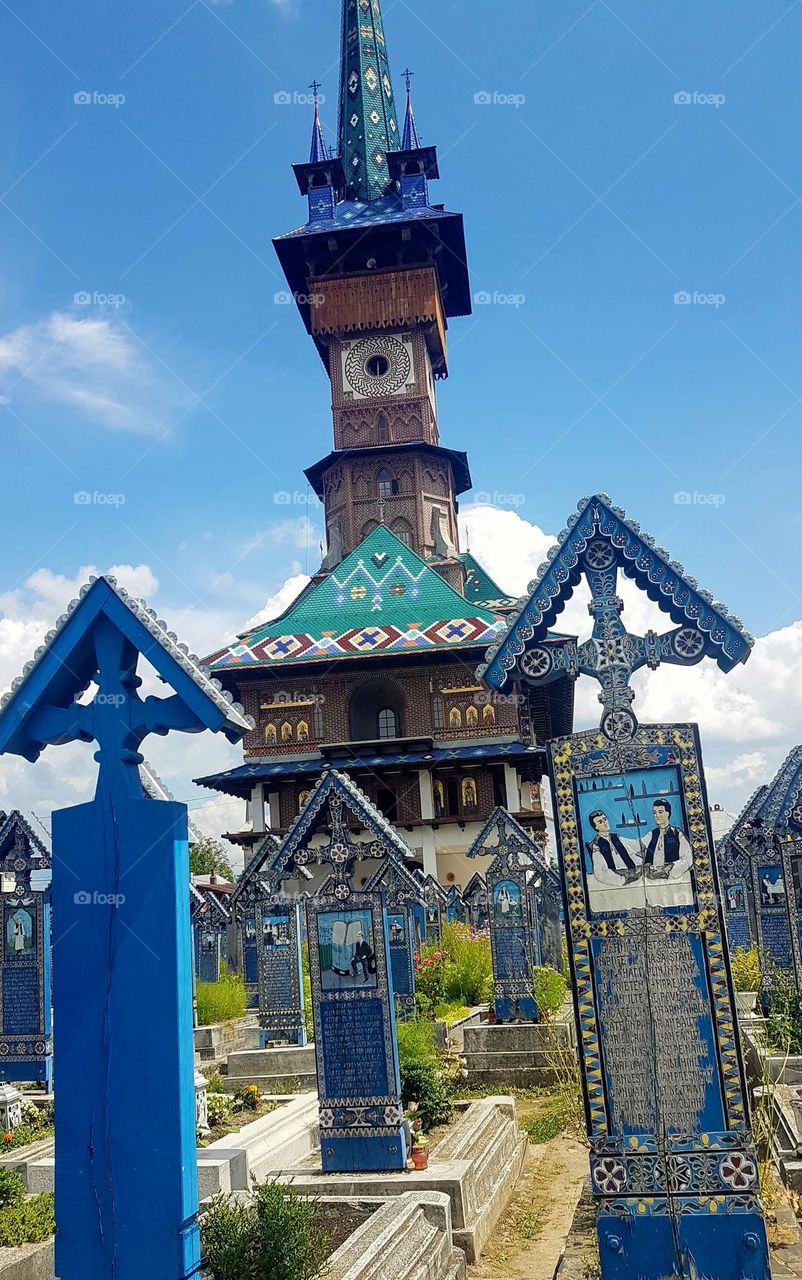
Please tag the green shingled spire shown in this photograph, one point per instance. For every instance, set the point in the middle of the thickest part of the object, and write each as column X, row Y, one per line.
column 368, row 121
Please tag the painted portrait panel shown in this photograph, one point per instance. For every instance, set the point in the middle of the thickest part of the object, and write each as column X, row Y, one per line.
column 735, row 896
column 276, row 931
column 347, row 951
column 396, row 927
column 771, row 884
column 634, row 836
column 507, row 902
column 20, row 933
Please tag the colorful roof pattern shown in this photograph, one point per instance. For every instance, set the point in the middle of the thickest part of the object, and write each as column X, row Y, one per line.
column 382, row 599
column 368, row 119
column 480, row 587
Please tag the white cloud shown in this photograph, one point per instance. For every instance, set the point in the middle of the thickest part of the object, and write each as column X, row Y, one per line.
column 749, row 719
column 91, row 364
column 276, row 604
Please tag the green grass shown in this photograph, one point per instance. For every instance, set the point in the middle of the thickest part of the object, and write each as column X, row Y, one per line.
column 221, row 1001
column 549, row 1122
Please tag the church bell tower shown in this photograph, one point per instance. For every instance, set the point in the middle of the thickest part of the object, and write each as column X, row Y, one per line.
column 377, row 272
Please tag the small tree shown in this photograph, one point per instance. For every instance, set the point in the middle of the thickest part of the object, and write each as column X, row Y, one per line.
column 207, row 856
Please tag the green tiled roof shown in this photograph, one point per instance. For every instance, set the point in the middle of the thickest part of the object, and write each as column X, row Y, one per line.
column 383, row 598
column 480, row 587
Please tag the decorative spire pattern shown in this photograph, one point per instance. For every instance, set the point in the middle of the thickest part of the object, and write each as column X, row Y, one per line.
column 368, row 121
column 318, row 149
column 411, row 140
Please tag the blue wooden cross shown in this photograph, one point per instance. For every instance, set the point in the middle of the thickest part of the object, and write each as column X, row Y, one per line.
column 126, row 1179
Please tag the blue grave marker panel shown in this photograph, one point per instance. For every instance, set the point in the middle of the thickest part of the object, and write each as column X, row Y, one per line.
column 772, row 909
column 250, row 960
column 281, row 992
column 673, row 1166
column 792, row 878
column 736, row 907
column 511, row 946
column 361, row 1117
column 209, row 955
column 401, row 934
column 25, row 1020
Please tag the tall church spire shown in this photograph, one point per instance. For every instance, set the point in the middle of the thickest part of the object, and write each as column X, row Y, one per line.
column 318, row 150
column 368, row 120
column 411, row 140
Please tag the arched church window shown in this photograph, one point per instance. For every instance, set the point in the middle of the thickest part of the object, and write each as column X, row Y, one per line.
column 388, row 723
column 302, row 732
column 270, row 734
column 368, row 528
column 383, row 429
column 455, row 718
column 317, row 720
column 438, row 713
column 469, row 796
column 286, row 732
column 471, row 716
column 403, row 531
column 385, row 484
column 439, row 799
column 489, row 714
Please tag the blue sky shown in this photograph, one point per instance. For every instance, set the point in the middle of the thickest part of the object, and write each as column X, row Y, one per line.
column 182, row 398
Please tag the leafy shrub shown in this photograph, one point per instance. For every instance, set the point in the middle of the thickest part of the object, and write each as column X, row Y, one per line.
column 426, row 1085
column 29, row 1221
column 309, row 1018
column 745, row 969
column 781, row 1003
column 416, row 1042
column 277, row 1236
column 456, row 970
column 12, row 1187
column 451, row 1013
column 215, row 1084
column 221, row 1001
column 219, row 1109
column 22, row 1136
column 550, row 988
column 248, row 1097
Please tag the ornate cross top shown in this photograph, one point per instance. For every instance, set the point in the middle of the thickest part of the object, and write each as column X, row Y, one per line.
column 99, row 640
column 315, row 86
column 407, row 74
column 598, row 542
column 25, row 852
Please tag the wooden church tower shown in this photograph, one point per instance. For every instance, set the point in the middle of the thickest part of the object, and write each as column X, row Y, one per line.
column 373, row 666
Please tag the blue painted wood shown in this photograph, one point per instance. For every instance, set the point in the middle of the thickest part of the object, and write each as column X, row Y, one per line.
column 673, row 1165
column 26, row 1043
column 126, row 1182
column 403, row 898
column 361, row 1116
column 281, row 986
column 126, row 1177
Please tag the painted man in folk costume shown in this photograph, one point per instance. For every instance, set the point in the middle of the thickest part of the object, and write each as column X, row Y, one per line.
column 616, row 862
column 668, row 852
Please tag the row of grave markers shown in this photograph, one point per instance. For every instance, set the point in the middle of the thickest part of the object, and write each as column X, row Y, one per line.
column 672, row 1162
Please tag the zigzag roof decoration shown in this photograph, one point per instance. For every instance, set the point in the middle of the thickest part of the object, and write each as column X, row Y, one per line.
column 65, row 665
column 481, row 846
column 35, row 832
column 781, row 807
column 480, row 588
column 383, row 598
column 263, row 855
column 599, row 541
column 386, row 840
column 401, row 885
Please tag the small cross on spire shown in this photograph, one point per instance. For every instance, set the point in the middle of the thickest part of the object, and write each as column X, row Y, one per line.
column 315, row 86
column 407, row 74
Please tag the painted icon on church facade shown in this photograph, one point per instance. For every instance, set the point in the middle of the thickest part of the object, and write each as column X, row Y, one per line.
column 772, row 886
column 347, row 951
column 634, row 837
column 20, row 933
column 507, row 902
